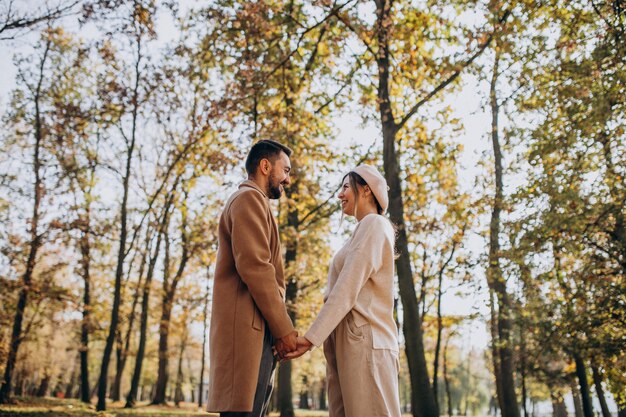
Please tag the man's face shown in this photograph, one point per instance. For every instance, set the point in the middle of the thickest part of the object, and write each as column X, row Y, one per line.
column 279, row 176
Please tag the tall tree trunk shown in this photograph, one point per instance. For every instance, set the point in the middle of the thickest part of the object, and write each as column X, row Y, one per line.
column 42, row 391
column 558, row 405
column 169, row 294
column 581, row 373
column 523, row 370
column 160, row 388
column 446, row 378
column 178, row 392
column 304, row 395
column 438, row 342
column 578, row 405
column 114, row 393
column 422, row 398
column 145, row 306
column 85, row 326
column 205, row 316
column 442, row 270
column 495, row 279
column 121, row 253
column 322, row 395
column 69, row 388
column 597, row 382
column 124, row 345
column 285, row 391
column 495, row 357
column 163, row 371
column 34, row 244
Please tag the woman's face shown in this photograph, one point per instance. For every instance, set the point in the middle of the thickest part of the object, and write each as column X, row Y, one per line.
column 347, row 198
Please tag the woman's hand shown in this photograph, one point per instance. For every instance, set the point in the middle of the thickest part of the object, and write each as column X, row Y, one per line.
column 302, row 346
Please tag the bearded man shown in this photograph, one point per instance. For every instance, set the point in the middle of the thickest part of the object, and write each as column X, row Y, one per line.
column 249, row 315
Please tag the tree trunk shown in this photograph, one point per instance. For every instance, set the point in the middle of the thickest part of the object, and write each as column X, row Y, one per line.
column 523, row 369
column 304, row 399
column 178, row 392
column 42, row 391
column 285, row 391
column 69, row 387
column 581, row 373
column 205, row 316
column 121, row 253
column 558, row 405
column 119, row 365
column 494, row 348
column 169, row 294
column 597, row 382
column 422, row 399
column 34, row 244
column 322, row 395
column 285, row 403
column 446, row 379
column 85, row 326
column 438, row 342
column 578, row 405
column 160, row 392
column 145, row 306
column 504, row 379
column 124, row 346
column 163, row 374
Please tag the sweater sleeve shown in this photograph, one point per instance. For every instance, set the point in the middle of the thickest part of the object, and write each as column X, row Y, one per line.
column 250, row 240
column 363, row 259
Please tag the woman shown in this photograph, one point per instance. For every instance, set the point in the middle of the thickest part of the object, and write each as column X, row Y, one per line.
column 356, row 323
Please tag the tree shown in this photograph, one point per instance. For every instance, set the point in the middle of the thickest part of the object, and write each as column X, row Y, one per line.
column 39, row 136
column 16, row 22
column 140, row 29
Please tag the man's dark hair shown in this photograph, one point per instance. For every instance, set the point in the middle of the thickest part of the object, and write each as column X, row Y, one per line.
column 264, row 149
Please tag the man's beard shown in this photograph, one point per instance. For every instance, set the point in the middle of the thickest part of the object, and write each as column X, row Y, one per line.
column 274, row 189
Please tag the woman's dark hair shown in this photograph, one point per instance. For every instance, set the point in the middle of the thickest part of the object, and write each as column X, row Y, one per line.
column 264, row 149
column 355, row 179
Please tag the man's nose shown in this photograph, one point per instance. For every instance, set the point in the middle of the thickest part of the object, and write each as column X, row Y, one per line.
column 288, row 180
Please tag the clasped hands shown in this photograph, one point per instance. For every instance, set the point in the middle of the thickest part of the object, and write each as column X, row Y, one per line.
column 291, row 346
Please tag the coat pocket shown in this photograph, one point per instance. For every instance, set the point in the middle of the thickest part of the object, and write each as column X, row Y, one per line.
column 354, row 332
column 257, row 320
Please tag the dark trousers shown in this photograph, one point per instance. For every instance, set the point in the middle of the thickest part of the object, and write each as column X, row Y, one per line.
column 265, row 382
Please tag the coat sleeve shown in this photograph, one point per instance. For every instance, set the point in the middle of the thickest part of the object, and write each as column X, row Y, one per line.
column 364, row 258
column 250, row 241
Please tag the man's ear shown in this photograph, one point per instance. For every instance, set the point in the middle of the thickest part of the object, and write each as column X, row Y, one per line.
column 265, row 166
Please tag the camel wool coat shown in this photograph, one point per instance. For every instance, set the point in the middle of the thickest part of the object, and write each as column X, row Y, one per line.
column 248, row 294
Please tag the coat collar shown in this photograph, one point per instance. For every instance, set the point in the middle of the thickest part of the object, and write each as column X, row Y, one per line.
column 252, row 184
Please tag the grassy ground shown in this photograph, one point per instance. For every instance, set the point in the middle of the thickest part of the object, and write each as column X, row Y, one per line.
column 54, row 407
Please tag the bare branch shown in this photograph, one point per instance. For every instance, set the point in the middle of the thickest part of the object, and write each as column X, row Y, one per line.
column 452, row 76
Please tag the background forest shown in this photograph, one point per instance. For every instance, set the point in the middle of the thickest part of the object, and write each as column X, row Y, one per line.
column 499, row 125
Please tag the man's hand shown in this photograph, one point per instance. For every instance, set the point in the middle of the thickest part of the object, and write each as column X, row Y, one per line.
column 304, row 345
column 286, row 344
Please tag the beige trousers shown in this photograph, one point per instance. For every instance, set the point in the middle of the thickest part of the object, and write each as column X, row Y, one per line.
column 362, row 381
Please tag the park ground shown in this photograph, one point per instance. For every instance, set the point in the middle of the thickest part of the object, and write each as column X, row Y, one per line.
column 55, row 407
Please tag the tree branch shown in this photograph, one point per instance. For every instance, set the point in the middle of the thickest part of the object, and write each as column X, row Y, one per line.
column 452, row 76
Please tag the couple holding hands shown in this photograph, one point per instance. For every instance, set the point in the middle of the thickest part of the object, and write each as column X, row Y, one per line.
column 250, row 327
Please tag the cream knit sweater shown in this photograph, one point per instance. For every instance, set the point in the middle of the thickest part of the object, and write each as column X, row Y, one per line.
column 360, row 279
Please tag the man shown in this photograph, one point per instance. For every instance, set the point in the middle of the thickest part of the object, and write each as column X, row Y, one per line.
column 249, row 313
